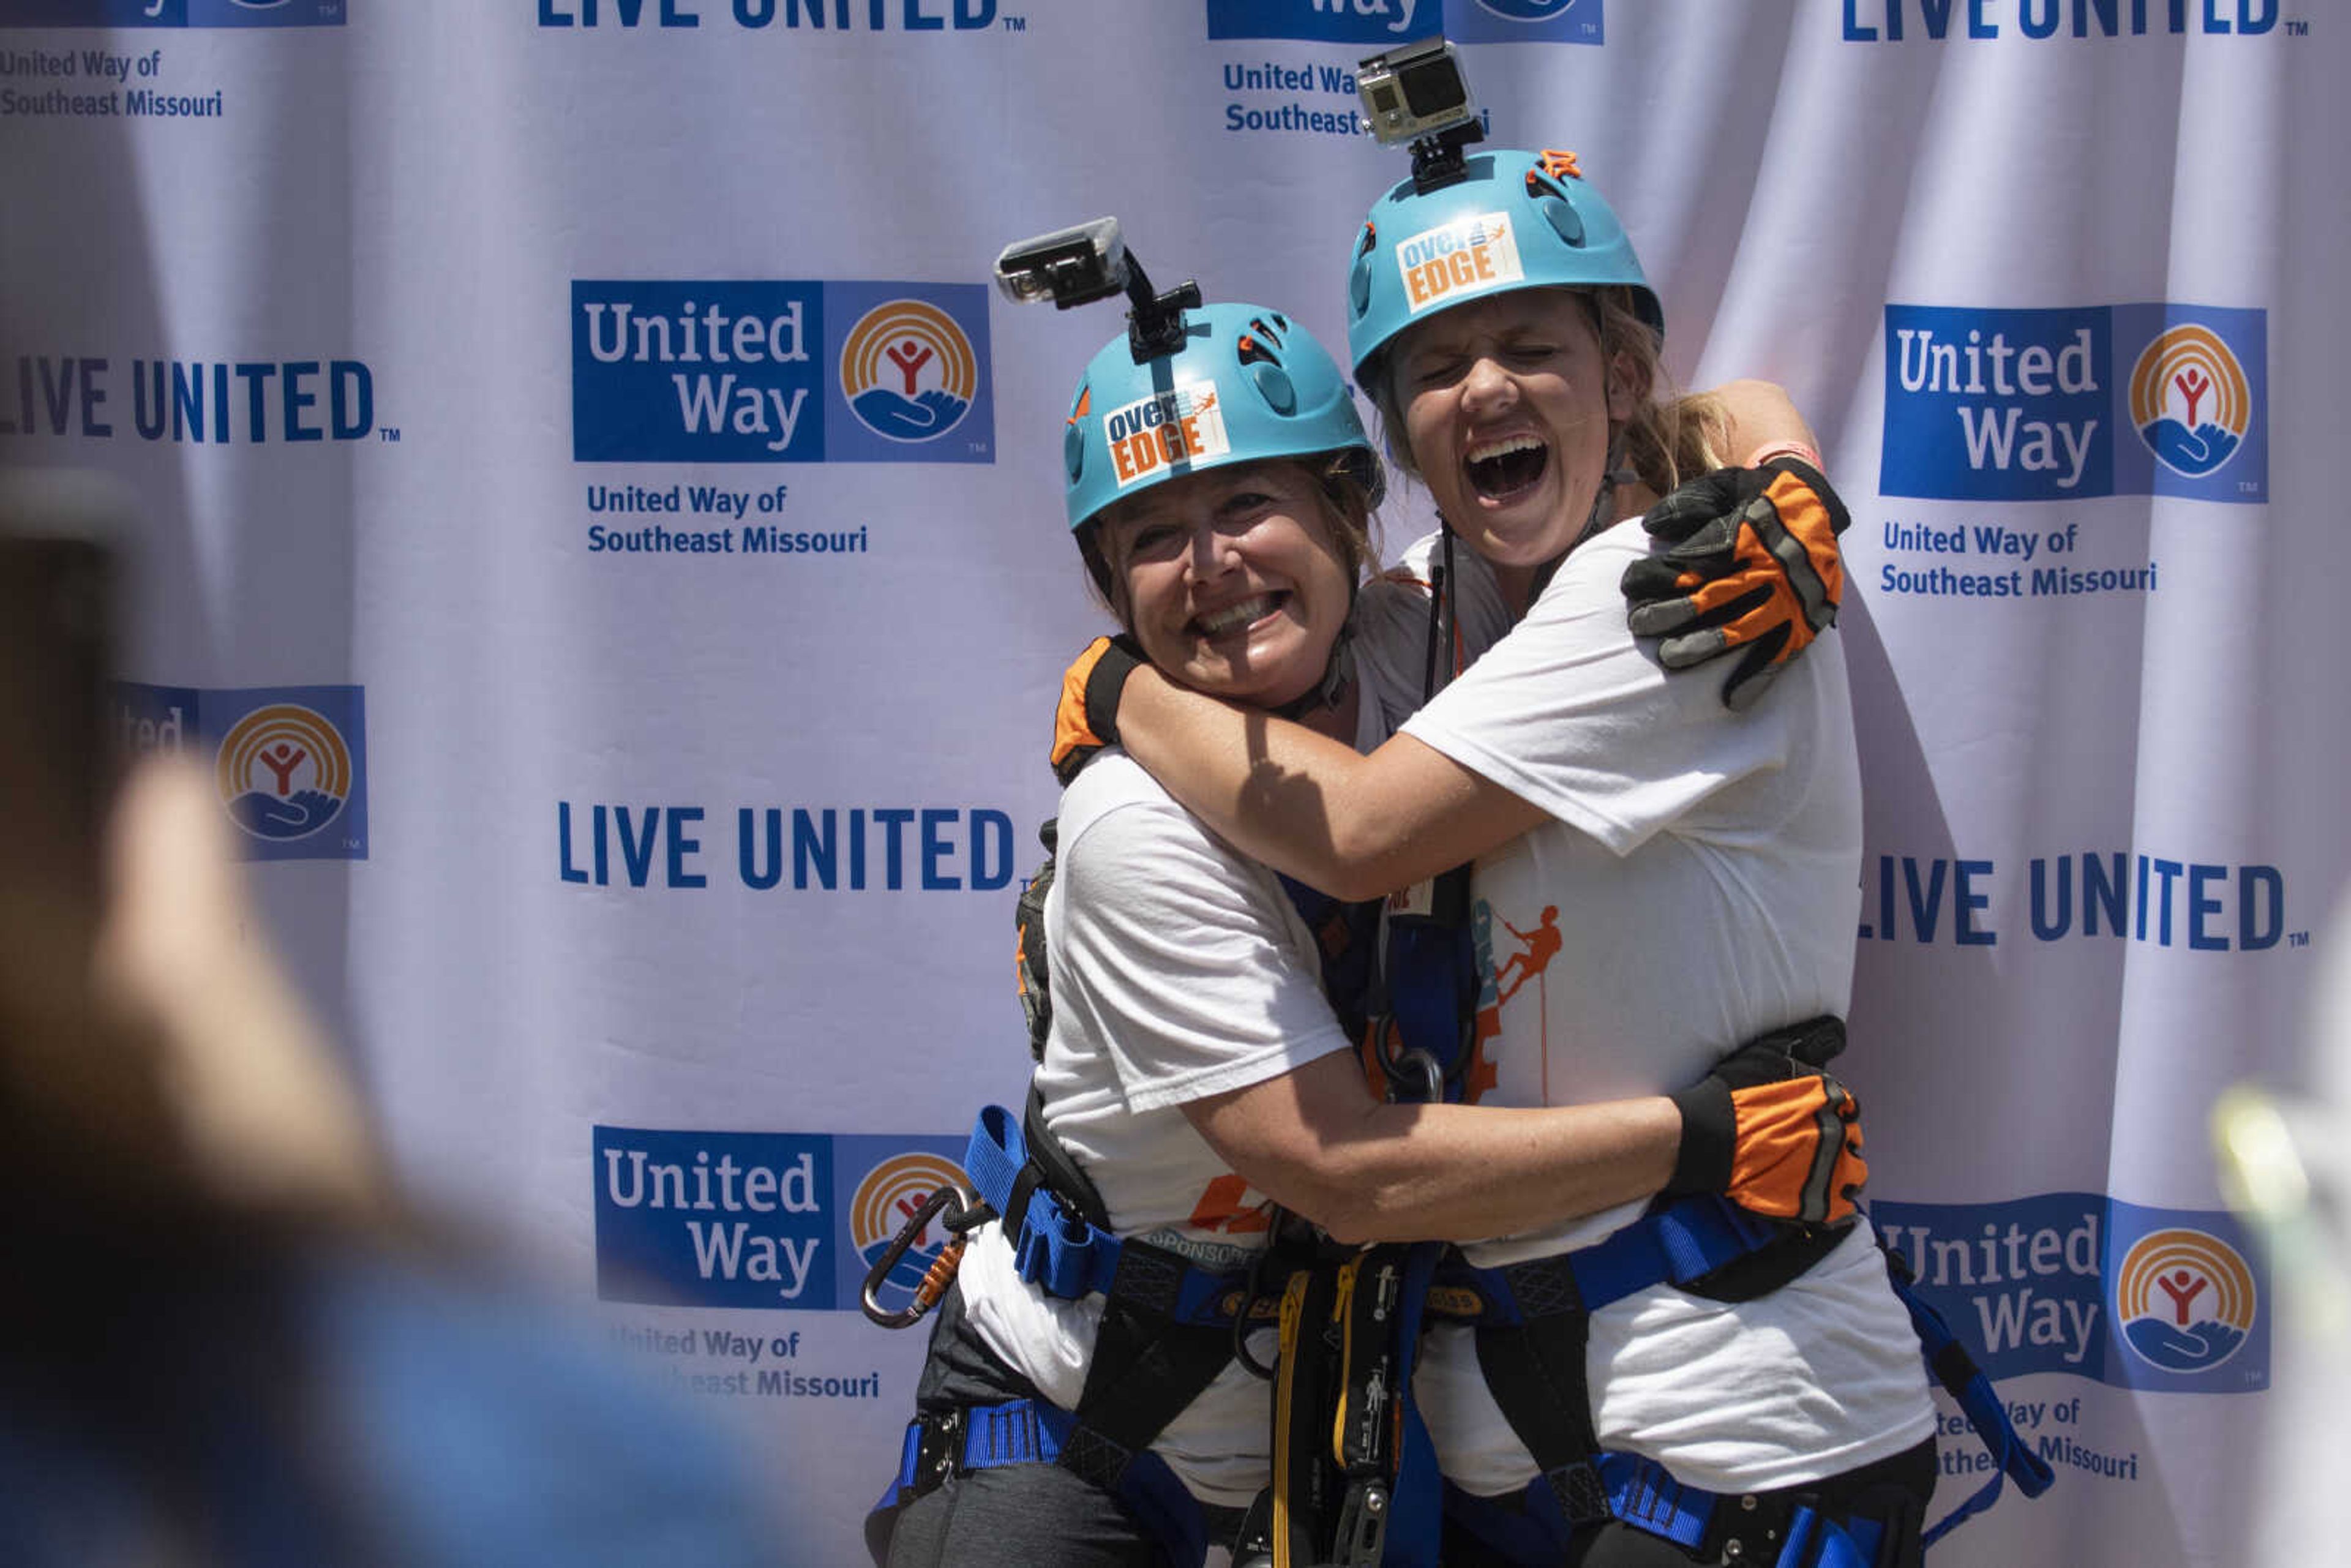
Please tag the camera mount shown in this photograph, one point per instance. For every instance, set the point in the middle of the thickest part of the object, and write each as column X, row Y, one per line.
column 1089, row 262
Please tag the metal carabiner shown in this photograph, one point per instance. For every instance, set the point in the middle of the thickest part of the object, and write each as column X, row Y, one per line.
column 942, row 1269
column 1416, row 1061
column 1432, row 1076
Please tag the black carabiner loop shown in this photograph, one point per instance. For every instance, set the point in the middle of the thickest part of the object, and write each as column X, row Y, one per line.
column 1400, row 1067
column 1251, row 1294
column 942, row 1269
column 1432, row 1076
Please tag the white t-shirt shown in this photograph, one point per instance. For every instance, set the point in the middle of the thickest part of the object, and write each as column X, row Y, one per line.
column 1698, row 885
column 1179, row 970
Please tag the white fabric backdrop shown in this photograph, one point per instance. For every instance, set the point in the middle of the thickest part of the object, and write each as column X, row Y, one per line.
column 384, row 246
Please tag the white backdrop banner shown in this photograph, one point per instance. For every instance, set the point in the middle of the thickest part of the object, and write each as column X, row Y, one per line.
column 605, row 535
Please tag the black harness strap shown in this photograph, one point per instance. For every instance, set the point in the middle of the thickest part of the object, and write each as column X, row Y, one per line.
column 1147, row 1368
column 1145, row 1371
column 1536, row 1374
column 1063, row 1176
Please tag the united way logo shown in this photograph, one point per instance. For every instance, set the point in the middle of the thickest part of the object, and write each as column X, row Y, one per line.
column 908, row 372
column 2184, row 1299
column 889, row 1196
column 779, row 370
column 2189, row 399
column 290, row 762
column 171, row 13
column 1381, row 23
column 2091, row 1286
column 1511, row 22
column 2060, row 404
column 285, row 772
column 1520, row 21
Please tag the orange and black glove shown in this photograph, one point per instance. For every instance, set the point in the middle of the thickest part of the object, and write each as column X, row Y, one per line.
column 1087, row 718
column 1772, row 1131
column 1750, row 567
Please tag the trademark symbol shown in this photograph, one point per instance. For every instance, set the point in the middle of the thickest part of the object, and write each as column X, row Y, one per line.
column 390, row 433
column 1020, row 24
column 2249, row 487
column 2297, row 938
column 979, row 447
column 2298, row 29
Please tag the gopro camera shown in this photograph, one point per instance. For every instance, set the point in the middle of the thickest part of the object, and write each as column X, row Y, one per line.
column 1414, row 92
column 1077, row 265
column 1069, row 266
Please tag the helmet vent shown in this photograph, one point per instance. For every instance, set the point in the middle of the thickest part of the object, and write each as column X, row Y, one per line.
column 1273, row 385
column 1563, row 219
column 1252, row 350
column 1073, row 450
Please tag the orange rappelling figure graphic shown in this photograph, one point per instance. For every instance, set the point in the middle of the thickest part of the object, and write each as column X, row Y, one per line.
column 1542, row 945
column 1538, row 948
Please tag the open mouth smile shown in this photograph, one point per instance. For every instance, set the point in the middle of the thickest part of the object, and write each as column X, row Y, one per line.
column 1240, row 614
column 1502, row 470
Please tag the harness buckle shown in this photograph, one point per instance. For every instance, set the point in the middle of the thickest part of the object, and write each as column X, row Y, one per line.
column 936, row 1279
column 939, row 1455
column 1362, row 1527
column 1758, row 1531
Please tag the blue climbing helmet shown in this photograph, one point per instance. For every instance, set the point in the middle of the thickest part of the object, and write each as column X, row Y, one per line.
column 1247, row 384
column 1508, row 220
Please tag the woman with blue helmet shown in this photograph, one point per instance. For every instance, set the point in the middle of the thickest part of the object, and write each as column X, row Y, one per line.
column 1691, row 863
column 1219, row 486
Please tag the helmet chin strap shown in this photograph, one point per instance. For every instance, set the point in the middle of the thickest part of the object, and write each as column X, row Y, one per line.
column 1338, row 674
column 1595, row 521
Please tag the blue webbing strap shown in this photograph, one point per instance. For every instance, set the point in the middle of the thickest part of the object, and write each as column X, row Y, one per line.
column 1680, row 1243
column 1956, row 1371
column 1066, row 1256
column 1686, row 1240
column 1416, row 1516
column 1815, row 1541
column 1055, row 1250
column 1032, row 1432
column 1641, row 1494
column 1427, row 969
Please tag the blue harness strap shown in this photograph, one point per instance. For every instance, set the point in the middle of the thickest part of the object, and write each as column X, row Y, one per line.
column 1066, row 1255
column 1533, row 1527
column 1677, row 1245
column 1686, row 1240
column 1964, row 1381
column 1032, row 1432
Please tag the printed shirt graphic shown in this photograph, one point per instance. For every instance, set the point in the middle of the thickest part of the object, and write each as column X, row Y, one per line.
column 1698, row 887
column 1179, row 970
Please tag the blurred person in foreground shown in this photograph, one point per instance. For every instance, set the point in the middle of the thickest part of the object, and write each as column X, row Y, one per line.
column 2283, row 1143
column 224, row 1340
